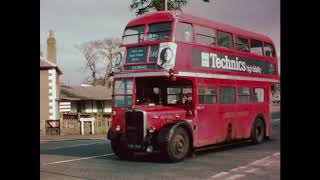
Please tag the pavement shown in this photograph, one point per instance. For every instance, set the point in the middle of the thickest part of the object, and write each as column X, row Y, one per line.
column 71, row 137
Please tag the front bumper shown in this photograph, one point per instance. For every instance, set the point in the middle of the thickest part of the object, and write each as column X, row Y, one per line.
column 149, row 140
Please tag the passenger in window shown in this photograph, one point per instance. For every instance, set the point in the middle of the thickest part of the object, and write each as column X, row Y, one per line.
column 187, row 36
column 268, row 53
column 187, row 101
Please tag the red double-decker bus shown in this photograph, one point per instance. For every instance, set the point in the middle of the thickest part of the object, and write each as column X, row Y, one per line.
column 183, row 83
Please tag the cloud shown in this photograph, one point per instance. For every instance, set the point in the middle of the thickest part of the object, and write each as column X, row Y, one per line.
column 77, row 21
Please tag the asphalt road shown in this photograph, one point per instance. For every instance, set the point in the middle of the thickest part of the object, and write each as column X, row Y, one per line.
column 93, row 159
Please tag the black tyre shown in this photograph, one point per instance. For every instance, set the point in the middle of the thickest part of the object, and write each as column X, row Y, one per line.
column 176, row 147
column 258, row 131
column 120, row 150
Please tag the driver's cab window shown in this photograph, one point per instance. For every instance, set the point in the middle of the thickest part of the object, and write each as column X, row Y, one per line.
column 179, row 95
column 149, row 96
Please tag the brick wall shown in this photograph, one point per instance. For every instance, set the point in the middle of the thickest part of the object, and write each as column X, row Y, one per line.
column 70, row 124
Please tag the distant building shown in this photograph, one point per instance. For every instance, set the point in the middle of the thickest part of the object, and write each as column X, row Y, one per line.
column 86, row 99
column 49, row 87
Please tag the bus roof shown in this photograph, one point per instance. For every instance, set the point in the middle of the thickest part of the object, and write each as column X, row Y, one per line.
column 159, row 16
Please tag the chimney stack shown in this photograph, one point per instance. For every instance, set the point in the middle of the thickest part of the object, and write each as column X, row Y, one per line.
column 51, row 45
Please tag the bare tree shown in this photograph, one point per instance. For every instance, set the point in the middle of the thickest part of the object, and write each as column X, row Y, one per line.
column 91, row 55
column 99, row 56
column 108, row 48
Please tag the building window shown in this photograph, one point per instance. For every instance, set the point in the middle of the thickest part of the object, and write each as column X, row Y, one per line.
column 227, row 95
column 225, row 39
column 243, row 95
column 258, row 95
column 256, row 47
column 183, row 32
column 204, row 35
column 242, row 44
column 100, row 106
column 207, row 95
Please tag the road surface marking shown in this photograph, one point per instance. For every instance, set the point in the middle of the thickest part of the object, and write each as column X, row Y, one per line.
column 236, row 176
column 251, row 170
column 71, row 160
column 219, row 174
column 266, row 161
column 275, row 120
column 76, row 145
column 55, row 140
column 238, row 168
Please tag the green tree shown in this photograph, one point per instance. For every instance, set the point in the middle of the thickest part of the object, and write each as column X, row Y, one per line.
column 143, row 6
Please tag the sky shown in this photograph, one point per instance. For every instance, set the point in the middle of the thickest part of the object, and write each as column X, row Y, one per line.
column 78, row 21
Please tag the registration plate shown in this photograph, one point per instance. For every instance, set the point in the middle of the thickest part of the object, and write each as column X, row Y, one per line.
column 134, row 146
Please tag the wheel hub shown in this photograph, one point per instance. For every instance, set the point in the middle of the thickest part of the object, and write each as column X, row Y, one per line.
column 179, row 144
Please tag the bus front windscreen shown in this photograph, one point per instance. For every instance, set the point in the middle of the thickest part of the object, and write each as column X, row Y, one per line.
column 159, row 31
column 122, row 93
column 133, row 35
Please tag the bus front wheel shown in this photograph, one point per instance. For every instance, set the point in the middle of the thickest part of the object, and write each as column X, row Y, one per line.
column 176, row 147
column 258, row 131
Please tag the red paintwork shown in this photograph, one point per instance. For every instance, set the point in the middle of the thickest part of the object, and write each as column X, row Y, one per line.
column 210, row 123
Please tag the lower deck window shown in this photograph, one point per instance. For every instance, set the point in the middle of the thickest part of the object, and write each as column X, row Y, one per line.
column 243, row 95
column 258, row 95
column 207, row 95
column 227, row 95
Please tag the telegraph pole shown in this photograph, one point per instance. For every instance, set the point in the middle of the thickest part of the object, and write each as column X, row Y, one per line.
column 165, row 5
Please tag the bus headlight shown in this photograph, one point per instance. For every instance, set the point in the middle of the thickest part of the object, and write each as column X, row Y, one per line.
column 152, row 129
column 118, row 128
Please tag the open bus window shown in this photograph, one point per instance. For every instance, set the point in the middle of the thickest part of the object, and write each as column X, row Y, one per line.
column 162, row 91
column 256, row 47
column 149, row 96
column 225, row 39
column 122, row 93
column 242, row 44
column 159, row 31
column 258, row 95
column 133, row 35
column 268, row 50
column 178, row 95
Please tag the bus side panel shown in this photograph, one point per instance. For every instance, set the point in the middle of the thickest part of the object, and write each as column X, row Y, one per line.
column 260, row 108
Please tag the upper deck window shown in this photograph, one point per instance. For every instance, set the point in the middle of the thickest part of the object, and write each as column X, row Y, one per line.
column 133, row 35
column 204, row 35
column 225, row 39
column 256, row 47
column 269, row 50
column 159, row 31
column 242, row 44
column 183, row 32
